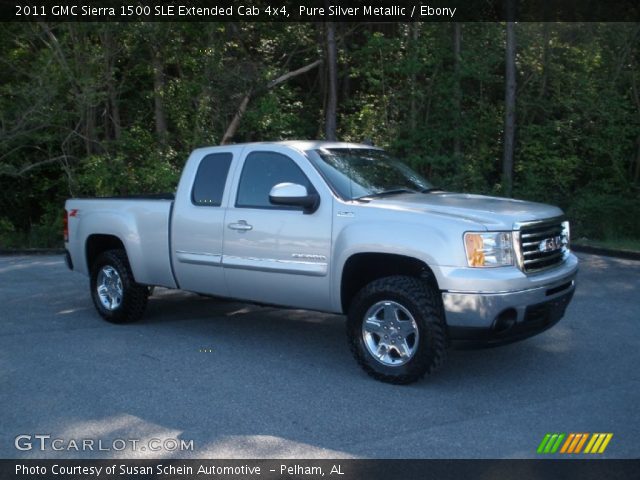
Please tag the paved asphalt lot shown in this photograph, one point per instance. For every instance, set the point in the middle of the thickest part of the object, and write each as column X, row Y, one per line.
column 282, row 384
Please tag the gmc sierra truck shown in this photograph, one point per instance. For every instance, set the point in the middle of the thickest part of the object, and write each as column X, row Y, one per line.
column 333, row 227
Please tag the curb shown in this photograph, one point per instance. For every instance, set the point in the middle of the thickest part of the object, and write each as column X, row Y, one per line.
column 31, row 251
column 607, row 252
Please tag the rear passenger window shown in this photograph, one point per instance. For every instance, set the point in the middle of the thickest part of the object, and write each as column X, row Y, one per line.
column 263, row 170
column 208, row 186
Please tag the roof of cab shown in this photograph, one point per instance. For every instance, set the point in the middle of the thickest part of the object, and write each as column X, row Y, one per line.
column 300, row 145
column 317, row 144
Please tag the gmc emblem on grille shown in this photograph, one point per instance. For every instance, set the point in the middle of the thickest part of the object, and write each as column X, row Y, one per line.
column 550, row 244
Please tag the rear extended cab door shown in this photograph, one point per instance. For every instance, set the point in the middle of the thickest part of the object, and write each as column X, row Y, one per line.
column 197, row 223
column 277, row 254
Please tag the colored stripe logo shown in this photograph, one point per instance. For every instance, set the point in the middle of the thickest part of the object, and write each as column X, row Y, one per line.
column 574, row 443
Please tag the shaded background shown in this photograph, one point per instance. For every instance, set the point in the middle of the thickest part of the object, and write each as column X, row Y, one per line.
column 92, row 109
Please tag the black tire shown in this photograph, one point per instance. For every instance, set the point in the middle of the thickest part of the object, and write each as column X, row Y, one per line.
column 423, row 303
column 134, row 296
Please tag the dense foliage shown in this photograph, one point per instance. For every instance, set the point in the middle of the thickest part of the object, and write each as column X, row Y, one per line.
column 101, row 109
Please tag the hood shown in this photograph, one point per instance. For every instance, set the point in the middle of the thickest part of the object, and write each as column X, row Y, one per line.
column 494, row 213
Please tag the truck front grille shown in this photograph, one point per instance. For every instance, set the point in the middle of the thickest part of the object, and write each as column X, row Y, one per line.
column 543, row 244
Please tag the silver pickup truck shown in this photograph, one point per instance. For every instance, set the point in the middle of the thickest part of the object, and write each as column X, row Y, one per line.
column 334, row 227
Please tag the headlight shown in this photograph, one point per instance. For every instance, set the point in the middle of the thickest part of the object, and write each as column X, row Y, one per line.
column 489, row 249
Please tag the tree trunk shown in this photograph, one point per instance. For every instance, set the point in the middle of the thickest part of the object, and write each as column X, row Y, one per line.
column 413, row 49
column 457, row 90
column 510, row 107
column 332, row 91
column 89, row 125
column 158, row 101
column 414, row 33
column 114, row 111
column 233, row 126
column 545, row 61
column 113, row 108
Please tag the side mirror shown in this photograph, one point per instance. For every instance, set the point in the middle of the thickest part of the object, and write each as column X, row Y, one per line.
column 294, row 195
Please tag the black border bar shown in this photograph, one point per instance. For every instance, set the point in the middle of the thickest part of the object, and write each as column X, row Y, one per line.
column 571, row 468
column 322, row 10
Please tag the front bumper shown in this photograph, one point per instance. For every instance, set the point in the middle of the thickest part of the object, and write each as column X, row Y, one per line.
column 496, row 318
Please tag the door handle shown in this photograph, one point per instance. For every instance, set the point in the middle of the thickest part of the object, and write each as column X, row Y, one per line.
column 242, row 226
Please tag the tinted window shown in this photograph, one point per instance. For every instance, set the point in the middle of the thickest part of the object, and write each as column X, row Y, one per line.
column 208, row 186
column 263, row 170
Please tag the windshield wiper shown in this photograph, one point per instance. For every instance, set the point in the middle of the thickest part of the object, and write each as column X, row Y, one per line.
column 384, row 193
column 431, row 190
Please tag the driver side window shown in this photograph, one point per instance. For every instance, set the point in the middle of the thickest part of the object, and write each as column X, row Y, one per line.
column 263, row 170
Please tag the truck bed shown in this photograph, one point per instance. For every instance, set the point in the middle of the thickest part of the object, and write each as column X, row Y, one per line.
column 141, row 222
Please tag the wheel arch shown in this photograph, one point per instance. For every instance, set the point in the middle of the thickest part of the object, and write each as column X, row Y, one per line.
column 98, row 243
column 363, row 268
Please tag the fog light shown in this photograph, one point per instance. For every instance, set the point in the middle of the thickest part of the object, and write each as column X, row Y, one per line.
column 505, row 320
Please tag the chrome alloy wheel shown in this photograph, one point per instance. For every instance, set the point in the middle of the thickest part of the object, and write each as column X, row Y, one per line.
column 109, row 288
column 390, row 333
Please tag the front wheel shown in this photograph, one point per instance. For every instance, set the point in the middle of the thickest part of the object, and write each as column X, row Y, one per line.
column 396, row 329
column 116, row 295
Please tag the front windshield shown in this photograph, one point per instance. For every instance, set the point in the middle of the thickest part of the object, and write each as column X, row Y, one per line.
column 361, row 172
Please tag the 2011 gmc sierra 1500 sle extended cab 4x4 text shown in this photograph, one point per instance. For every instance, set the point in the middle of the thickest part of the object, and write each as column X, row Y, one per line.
column 335, row 227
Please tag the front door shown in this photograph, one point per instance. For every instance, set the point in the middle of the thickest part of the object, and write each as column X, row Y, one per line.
column 277, row 254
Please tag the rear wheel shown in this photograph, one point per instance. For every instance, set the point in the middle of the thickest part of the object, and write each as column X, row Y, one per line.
column 116, row 295
column 396, row 329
